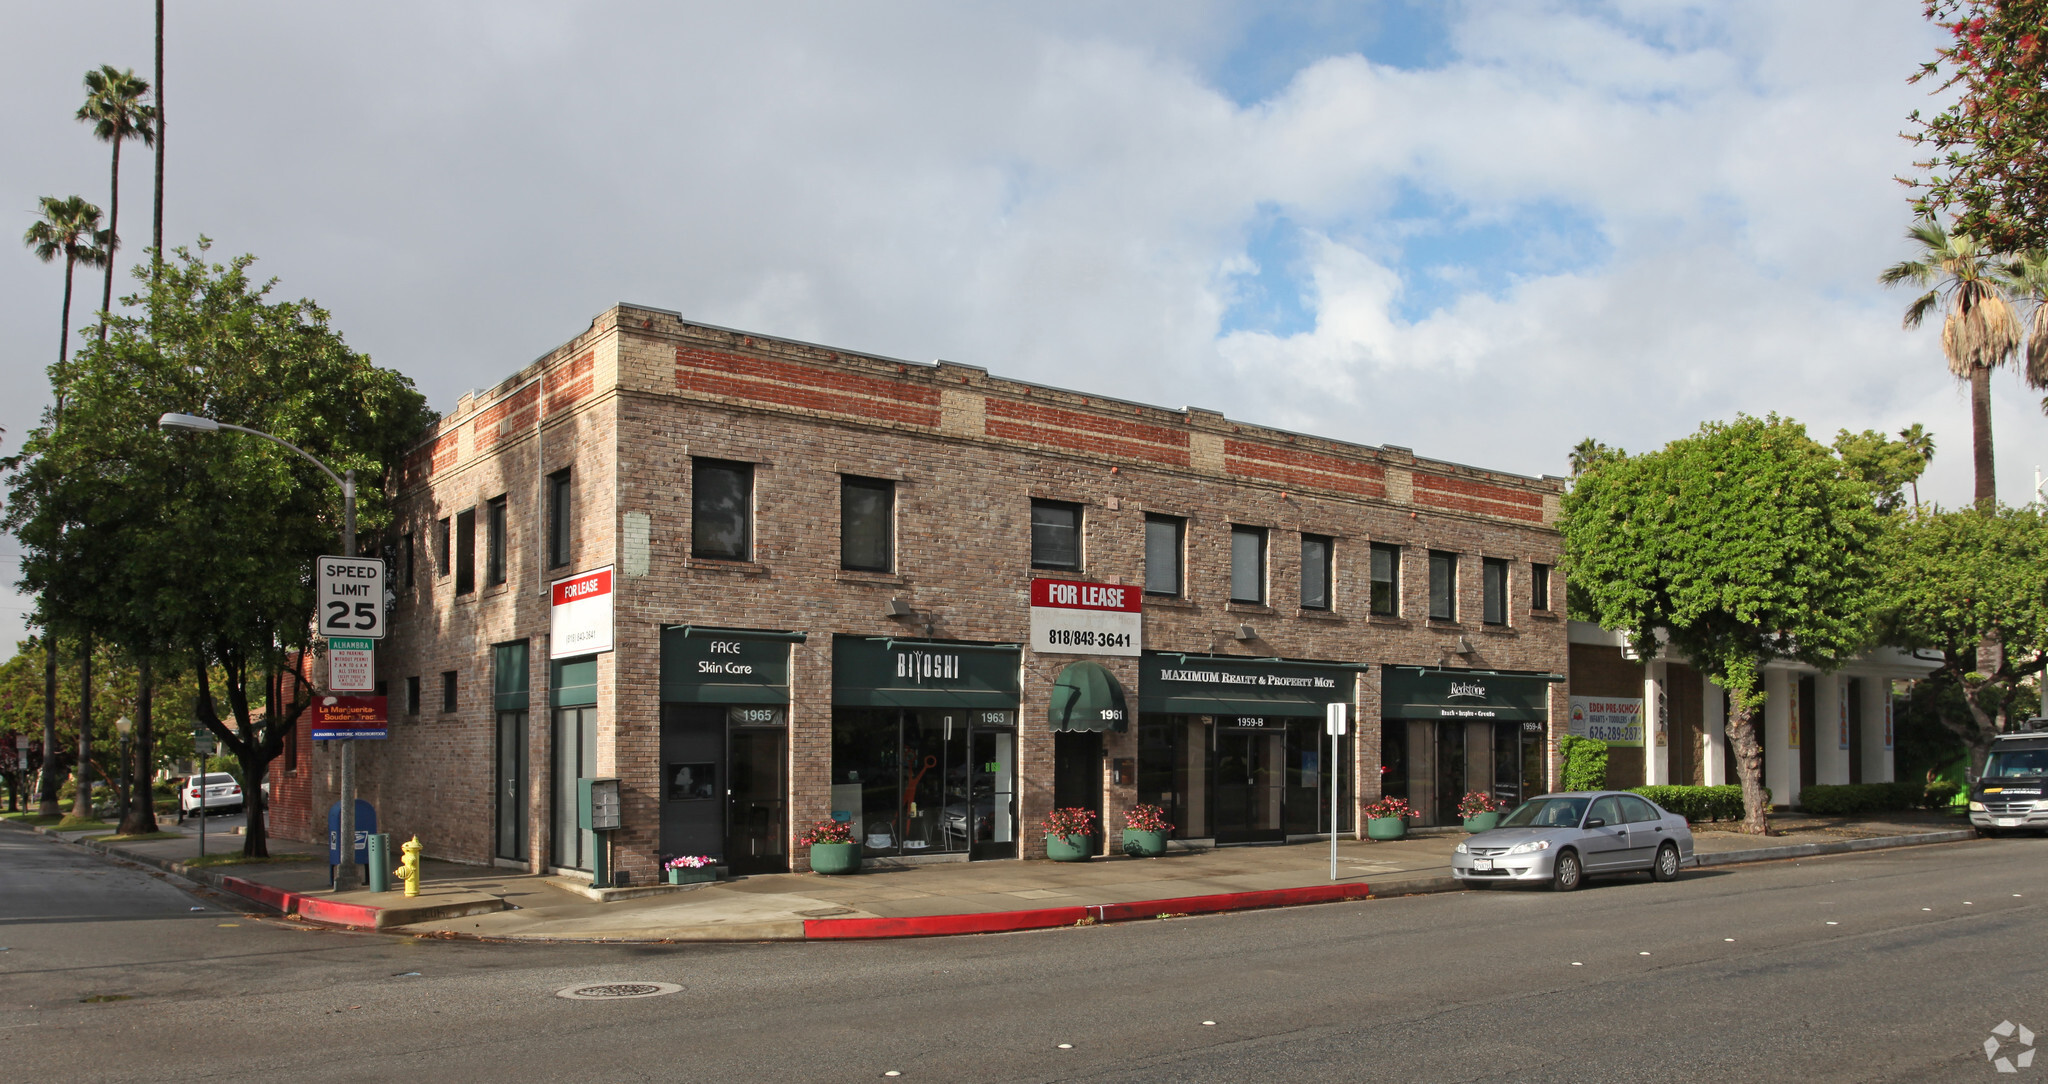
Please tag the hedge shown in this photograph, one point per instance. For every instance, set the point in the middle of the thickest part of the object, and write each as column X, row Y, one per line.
column 1585, row 763
column 1851, row 799
column 1698, row 803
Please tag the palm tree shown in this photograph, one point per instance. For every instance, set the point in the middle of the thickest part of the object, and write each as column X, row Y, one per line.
column 116, row 111
column 70, row 226
column 1920, row 442
column 1979, row 332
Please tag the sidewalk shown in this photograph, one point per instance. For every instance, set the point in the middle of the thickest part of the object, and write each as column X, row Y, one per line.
column 958, row 897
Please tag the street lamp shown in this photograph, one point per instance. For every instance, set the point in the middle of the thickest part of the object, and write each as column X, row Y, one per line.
column 346, row 876
column 125, row 727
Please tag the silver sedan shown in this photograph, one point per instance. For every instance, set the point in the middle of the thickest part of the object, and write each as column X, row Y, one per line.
column 1565, row 838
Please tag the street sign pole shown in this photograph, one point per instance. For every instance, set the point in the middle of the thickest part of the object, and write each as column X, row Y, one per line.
column 1334, row 722
column 346, row 877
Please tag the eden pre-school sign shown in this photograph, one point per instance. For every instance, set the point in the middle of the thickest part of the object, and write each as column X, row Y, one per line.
column 1073, row 618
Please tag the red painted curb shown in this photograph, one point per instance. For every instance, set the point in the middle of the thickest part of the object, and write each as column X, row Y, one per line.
column 338, row 914
column 1229, row 901
column 833, row 929
column 261, row 893
column 839, row 929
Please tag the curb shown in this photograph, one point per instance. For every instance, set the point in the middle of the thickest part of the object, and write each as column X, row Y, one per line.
column 1845, row 846
column 847, row 929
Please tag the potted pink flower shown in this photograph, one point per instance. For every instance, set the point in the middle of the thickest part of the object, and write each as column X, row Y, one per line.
column 690, row 869
column 1145, row 829
column 1069, row 834
column 1388, row 818
column 832, row 847
column 1480, row 810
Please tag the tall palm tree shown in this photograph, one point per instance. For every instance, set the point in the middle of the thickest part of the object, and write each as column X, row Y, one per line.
column 1979, row 331
column 117, row 113
column 69, row 226
column 1920, row 442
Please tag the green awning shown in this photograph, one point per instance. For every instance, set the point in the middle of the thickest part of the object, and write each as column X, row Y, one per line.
column 1087, row 697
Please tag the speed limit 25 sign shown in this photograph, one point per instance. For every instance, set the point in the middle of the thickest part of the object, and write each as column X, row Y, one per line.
column 351, row 597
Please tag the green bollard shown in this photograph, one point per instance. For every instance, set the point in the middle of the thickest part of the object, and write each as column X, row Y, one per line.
column 380, row 861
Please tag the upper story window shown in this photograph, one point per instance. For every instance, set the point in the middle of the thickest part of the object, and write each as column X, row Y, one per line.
column 1165, row 538
column 558, row 519
column 465, row 551
column 1315, row 572
column 1055, row 535
column 722, row 510
column 1247, row 564
column 405, row 554
column 442, row 535
column 1493, row 591
column 867, row 514
column 1386, row 579
column 1443, row 586
column 495, row 541
column 1539, row 587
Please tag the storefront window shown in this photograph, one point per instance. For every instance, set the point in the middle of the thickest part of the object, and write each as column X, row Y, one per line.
column 925, row 781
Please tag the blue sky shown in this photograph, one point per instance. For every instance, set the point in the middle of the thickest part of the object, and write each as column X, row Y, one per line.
column 1481, row 231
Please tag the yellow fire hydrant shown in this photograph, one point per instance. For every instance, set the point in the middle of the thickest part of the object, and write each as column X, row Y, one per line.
column 409, row 865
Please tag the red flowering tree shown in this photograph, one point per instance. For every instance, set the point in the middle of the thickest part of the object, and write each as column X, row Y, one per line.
column 1987, row 164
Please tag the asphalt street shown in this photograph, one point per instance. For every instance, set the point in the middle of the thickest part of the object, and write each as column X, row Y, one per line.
column 1889, row 966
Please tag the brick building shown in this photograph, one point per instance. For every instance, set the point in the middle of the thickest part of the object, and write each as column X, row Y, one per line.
column 763, row 583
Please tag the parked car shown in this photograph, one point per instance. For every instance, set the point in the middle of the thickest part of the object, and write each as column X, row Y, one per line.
column 222, row 795
column 2009, row 796
column 1564, row 838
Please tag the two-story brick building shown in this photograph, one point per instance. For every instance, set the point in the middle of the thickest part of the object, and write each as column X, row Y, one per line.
column 764, row 583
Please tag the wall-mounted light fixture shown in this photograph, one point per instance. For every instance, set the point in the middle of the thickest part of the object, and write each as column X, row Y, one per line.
column 900, row 607
column 1464, row 647
column 1246, row 632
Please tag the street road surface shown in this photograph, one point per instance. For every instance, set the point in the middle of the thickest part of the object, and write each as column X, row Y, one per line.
column 1893, row 966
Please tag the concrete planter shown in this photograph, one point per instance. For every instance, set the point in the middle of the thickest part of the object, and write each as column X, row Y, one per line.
column 690, row 876
column 1483, row 822
column 1385, row 827
column 1074, row 848
column 835, row 858
column 1142, row 844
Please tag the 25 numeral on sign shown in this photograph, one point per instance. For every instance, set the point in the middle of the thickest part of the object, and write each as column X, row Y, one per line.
column 341, row 619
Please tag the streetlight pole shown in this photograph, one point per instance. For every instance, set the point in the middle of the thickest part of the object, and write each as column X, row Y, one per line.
column 125, row 728
column 346, row 876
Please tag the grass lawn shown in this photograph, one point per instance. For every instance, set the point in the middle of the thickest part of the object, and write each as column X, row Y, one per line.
column 236, row 859
column 139, row 835
column 30, row 818
column 83, row 824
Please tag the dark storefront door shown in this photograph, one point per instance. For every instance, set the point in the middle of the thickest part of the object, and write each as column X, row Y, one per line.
column 1450, row 771
column 574, row 757
column 756, row 817
column 1250, row 776
column 511, row 762
column 692, row 782
column 1077, row 771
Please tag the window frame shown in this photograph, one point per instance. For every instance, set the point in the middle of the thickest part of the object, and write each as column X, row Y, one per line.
column 443, row 534
column 699, row 467
column 559, row 525
column 497, row 539
column 1539, row 587
column 1179, row 526
column 412, row 695
column 1449, row 588
column 849, row 484
column 1261, row 535
column 465, row 551
column 1326, row 567
column 448, row 686
column 1079, row 527
column 1493, row 598
column 408, row 551
column 1392, row 553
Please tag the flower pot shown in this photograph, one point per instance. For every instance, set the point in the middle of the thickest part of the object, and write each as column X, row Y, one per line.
column 1385, row 827
column 1482, row 822
column 691, row 876
column 1142, row 844
column 835, row 858
column 1074, row 848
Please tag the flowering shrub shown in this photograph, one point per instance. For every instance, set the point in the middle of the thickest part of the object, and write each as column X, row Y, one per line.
column 1389, row 807
column 1146, row 818
column 1072, row 821
column 1477, row 802
column 688, row 861
column 826, row 832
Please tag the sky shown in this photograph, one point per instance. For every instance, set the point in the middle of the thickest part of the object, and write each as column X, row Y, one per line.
column 1480, row 231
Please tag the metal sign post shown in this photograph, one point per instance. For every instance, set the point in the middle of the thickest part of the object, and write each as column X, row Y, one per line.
column 202, row 742
column 1334, row 723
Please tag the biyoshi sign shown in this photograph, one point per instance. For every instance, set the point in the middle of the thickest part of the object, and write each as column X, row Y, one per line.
column 1073, row 618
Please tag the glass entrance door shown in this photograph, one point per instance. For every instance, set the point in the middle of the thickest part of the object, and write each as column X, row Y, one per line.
column 756, row 819
column 1250, row 774
column 992, row 804
column 573, row 757
column 511, row 790
column 693, row 781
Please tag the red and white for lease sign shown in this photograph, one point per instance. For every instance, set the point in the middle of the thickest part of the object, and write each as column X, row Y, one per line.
column 1073, row 618
column 580, row 621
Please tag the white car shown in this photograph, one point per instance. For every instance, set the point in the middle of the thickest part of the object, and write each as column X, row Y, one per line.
column 222, row 794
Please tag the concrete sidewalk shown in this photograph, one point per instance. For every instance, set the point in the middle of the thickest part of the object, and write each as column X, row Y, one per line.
column 957, row 897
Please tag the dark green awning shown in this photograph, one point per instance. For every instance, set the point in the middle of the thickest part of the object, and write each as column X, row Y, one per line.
column 1087, row 697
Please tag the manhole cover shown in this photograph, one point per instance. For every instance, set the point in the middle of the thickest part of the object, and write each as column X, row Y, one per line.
column 612, row 991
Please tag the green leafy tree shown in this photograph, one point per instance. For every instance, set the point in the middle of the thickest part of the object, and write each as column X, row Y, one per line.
column 1887, row 466
column 1744, row 542
column 117, row 113
column 1979, row 331
column 1953, row 581
column 203, row 547
column 1985, row 164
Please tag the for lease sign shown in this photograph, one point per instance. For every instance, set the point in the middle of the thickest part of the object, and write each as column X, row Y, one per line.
column 1069, row 617
column 581, row 617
